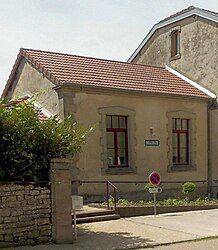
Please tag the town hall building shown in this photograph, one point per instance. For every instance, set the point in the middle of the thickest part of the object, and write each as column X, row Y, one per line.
column 146, row 116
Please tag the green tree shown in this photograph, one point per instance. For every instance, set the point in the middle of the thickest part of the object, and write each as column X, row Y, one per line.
column 27, row 143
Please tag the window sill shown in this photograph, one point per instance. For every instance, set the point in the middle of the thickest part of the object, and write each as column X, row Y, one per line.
column 181, row 168
column 178, row 56
column 119, row 170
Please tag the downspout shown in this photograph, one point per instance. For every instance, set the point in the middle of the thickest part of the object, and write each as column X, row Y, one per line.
column 210, row 106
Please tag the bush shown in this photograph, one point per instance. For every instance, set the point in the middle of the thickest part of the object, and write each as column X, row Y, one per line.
column 27, row 144
column 188, row 188
column 149, row 185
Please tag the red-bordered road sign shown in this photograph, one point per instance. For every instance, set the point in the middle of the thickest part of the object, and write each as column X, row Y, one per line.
column 154, row 178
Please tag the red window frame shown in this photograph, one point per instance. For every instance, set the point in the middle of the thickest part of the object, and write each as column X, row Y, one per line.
column 178, row 129
column 115, row 130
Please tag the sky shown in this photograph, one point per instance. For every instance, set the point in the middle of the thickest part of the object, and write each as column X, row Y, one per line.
column 110, row 29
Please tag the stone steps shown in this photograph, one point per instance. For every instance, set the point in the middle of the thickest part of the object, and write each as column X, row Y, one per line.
column 88, row 217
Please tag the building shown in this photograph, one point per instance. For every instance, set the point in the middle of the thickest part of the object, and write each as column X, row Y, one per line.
column 188, row 42
column 146, row 118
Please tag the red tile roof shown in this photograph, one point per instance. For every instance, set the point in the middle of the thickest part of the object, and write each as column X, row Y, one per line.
column 64, row 68
column 14, row 102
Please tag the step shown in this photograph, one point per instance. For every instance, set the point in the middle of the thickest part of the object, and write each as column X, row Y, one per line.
column 83, row 214
column 97, row 218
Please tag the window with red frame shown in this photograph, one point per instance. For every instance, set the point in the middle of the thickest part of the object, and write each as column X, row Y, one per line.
column 180, row 141
column 117, row 141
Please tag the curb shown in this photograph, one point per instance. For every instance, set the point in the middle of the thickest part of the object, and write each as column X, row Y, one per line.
column 168, row 243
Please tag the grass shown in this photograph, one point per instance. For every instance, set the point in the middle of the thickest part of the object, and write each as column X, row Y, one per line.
column 167, row 202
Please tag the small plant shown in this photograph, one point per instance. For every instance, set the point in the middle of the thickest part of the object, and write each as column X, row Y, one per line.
column 123, row 202
column 165, row 202
column 187, row 188
column 149, row 185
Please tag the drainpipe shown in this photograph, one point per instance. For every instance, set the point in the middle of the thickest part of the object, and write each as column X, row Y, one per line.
column 211, row 105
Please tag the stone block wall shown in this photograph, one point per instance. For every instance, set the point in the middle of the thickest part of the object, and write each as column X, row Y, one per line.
column 25, row 214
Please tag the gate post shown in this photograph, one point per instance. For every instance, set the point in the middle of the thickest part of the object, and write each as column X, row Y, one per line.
column 61, row 198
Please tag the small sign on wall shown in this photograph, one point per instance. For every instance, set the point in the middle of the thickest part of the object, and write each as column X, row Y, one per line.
column 152, row 143
column 77, row 202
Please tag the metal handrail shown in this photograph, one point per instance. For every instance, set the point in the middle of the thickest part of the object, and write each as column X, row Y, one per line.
column 111, row 184
column 140, row 182
column 108, row 183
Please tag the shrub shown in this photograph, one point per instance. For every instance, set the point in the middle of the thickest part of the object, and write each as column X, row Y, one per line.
column 27, row 144
column 188, row 188
column 149, row 185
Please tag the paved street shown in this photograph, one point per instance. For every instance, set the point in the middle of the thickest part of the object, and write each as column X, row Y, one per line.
column 145, row 231
column 201, row 245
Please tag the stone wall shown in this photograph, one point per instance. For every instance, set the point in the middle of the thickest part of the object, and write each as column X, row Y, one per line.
column 25, row 214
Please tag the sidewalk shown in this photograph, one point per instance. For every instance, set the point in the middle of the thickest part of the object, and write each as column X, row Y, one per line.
column 143, row 231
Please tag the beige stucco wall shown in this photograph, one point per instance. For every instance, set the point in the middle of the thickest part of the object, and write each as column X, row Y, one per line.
column 30, row 82
column 150, row 111
column 198, row 49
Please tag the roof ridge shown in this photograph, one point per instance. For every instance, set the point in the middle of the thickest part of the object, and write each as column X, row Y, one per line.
column 90, row 57
column 210, row 11
column 185, row 10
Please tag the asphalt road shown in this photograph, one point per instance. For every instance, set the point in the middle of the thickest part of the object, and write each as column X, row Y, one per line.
column 200, row 245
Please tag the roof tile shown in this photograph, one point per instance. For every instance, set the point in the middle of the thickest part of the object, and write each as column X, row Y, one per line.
column 71, row 69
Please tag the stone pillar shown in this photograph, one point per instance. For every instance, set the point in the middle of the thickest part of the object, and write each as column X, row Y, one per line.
column 61, row 187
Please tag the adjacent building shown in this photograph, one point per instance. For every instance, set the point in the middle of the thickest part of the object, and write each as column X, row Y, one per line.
column 188, row 42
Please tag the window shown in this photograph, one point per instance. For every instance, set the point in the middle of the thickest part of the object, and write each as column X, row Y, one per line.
column 175, row 43
column 117, row 141
column 180, row 141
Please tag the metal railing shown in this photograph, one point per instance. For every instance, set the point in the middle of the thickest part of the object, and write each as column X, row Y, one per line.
column 108, row 196
column 142, row 182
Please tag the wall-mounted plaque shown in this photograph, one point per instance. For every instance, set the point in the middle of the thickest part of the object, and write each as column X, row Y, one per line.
column 152, row 143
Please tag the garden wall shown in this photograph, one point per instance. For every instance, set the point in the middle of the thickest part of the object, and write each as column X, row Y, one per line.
column 25, row 214
column 141, row 211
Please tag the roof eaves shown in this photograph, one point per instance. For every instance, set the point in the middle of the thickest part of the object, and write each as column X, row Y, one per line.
column 196, row 11
column 11, row 76
column 194, row 84
column 83, row 86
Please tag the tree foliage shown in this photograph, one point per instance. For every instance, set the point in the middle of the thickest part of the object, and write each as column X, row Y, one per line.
column 27, row 144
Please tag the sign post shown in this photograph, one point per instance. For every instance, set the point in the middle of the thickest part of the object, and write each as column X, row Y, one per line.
column 74, row 223
column 155, row 179
column 155, row 205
